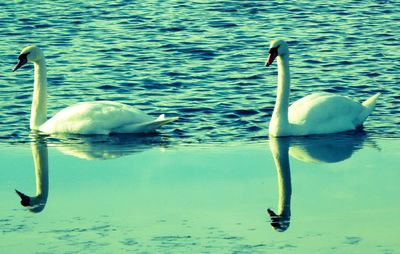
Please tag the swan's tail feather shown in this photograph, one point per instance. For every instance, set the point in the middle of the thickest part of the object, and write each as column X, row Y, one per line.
column 161, row 120
column 368, row 106
column 371, row 101
column 160, row 117
column 146, row 127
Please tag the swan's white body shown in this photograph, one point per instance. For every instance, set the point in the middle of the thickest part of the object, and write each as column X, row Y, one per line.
column 102, row 117
column 99, row 117
column 318, row 113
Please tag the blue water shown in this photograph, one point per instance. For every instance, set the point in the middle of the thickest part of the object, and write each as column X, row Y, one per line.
column 202, row 61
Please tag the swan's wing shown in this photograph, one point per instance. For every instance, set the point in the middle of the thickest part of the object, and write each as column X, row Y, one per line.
column 100, row 117
column 145, row 127
column 325, row 112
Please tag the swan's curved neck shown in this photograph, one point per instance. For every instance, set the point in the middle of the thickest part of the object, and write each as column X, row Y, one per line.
column 280, row 153
column 280, row 113
column 39, row 100
column 40, row 160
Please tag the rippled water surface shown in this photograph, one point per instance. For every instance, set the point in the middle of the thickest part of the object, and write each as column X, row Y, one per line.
column 200, row 60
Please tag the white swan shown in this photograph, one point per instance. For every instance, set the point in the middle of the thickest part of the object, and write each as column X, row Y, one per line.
column 318, row 113
column 99, row 117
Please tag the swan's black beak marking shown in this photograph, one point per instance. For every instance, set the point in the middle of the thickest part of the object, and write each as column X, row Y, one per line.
column 278, row 222
column 22, row 60
column 271, row 213
column 25, row 200
column 273, row 53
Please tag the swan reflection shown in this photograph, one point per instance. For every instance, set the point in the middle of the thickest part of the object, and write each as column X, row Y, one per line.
column 103, row 147
column 37, row 203
column 99, row 147
column 315, row 149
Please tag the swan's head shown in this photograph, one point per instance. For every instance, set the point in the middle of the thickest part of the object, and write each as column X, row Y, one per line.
column 276, row 48
column 29, row 54
column 34, row 204
column 279, row 222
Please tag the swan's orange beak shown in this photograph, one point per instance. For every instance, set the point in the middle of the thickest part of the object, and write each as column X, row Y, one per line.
column 271, row 58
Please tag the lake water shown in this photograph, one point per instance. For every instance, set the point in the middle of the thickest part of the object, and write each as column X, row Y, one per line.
column 202, row 61
column 334, row 195
column 211, row 182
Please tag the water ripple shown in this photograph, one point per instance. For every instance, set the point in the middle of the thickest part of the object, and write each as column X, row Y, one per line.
column 202, row 61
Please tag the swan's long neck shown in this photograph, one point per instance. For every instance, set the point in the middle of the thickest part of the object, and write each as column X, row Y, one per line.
column 280, row 153
column 40, row 160
column 280, row 113
column 39, row 101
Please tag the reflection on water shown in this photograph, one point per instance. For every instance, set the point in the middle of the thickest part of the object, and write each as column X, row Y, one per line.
column 193, row 199
column 40, row 160
column 314, row 149
column 279, row 148
column 102, row 147
column 327, row 149
column 96, row 147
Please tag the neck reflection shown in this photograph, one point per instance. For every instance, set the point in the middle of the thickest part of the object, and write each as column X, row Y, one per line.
column 279, row 147
column 37, row 203
column 313, row 149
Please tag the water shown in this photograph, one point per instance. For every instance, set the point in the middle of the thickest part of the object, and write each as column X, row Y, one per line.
column 212, row 182
column 205, row 199
column 201, row 61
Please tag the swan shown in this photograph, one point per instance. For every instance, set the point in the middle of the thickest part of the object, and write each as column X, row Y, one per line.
column 332, row 148
column 317, row 113
column 37, row 203
column 280, row 221
column 101, row 147
column 99, row 117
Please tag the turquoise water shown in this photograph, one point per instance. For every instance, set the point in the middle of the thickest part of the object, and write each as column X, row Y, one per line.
column 206, row 199
column 212, row 182
column 202, row 61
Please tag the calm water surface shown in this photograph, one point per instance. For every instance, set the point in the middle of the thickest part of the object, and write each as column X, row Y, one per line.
column 201, row 60
column 335, row 195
